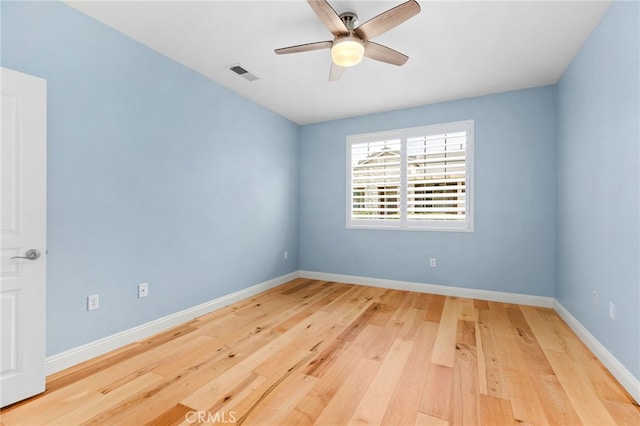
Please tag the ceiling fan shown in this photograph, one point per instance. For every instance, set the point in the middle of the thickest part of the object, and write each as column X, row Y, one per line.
column 352, row 42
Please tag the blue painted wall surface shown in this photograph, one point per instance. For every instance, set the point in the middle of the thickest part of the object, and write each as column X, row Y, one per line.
column 513, row 246
column 158, row 174
column 155, row 174
column 599, row 183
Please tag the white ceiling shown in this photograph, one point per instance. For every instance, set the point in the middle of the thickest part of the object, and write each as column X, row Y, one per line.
column 456, row 49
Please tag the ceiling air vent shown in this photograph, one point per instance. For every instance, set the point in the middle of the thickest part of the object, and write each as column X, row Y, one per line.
column 243, row 72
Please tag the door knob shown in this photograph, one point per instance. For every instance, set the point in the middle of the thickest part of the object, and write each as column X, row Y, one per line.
column 31, row 254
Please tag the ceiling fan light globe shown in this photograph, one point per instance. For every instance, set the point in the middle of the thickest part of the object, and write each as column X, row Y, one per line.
column 347, row 51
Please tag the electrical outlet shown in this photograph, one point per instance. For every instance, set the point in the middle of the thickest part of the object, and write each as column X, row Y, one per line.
column 143, row 290
column 612, row 310
column 594, row 298
column 286, row 255
column 432, row 262
column 93, row 302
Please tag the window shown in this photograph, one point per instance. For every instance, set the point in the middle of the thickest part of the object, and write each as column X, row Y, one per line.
column 418, row 178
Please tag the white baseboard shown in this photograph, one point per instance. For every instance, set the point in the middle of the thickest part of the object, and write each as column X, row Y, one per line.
column 615, row 367
column 75, row 356
column 494, row 296
column 91, row 350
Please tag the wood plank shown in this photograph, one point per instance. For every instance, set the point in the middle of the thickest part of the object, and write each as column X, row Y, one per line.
column 224, row 412
column 492, row 381
column 275, row 408
column 178, row 383
column 141, row 407
column 525, row 402
column 435, row 306
column 467, row 310
column 114, row 358
column 355, row 298
column 405, row 401
column 557, row 407
column 580, row 391
column 427, row 420
column 481, row 305
column 194, row 353
column 218, row 387
column 356, row 326
column 465, row 393
column 390, row 301
column 402, row 308
column 376, row 399
column 61, row 400
column 42, row 411
column 310, row 307
column 413, row 321
column 542, row 329
column 330, row 354
column 237, row 394
column 310, row 407
column 420, row 301
column 378, row 349
column 521, row 388
column 603, row 382
column 436, row 396
column 88, row 410
column 302, row 283
column 319, row 332
column 481, row 360
column 444, row 350
column 495, row 411
column 623, row 413
column 172, row 416
column 317, row 352
column 263, row 396
column 341, row 407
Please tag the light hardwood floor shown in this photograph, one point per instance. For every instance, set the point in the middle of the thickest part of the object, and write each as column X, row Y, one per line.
column 329, row 353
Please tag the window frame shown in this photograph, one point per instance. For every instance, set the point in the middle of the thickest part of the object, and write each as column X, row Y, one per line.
column 403, row 223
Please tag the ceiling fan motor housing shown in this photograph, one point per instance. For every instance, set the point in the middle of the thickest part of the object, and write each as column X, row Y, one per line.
column 350, row 20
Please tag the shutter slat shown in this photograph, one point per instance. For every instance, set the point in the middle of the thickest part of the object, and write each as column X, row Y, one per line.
column 437, row 209
column 412, row 204
column 440, row 159
column 442, row 217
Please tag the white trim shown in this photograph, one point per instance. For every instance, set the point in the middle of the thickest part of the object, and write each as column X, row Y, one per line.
column 75, row 356
column 91, row 350
column 495, row 296
column 402, row 223
column 615, row 367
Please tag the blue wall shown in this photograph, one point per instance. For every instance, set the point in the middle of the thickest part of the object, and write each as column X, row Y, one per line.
column 155, row 174
column 158, row 174
column 512, row 248
column 599, row 183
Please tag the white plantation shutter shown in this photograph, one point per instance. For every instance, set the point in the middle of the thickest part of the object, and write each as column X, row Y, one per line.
column 436, row 177
column 375, row 180
column 418, row 178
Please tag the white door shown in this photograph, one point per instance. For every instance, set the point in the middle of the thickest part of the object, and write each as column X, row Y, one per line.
column 23, row 179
